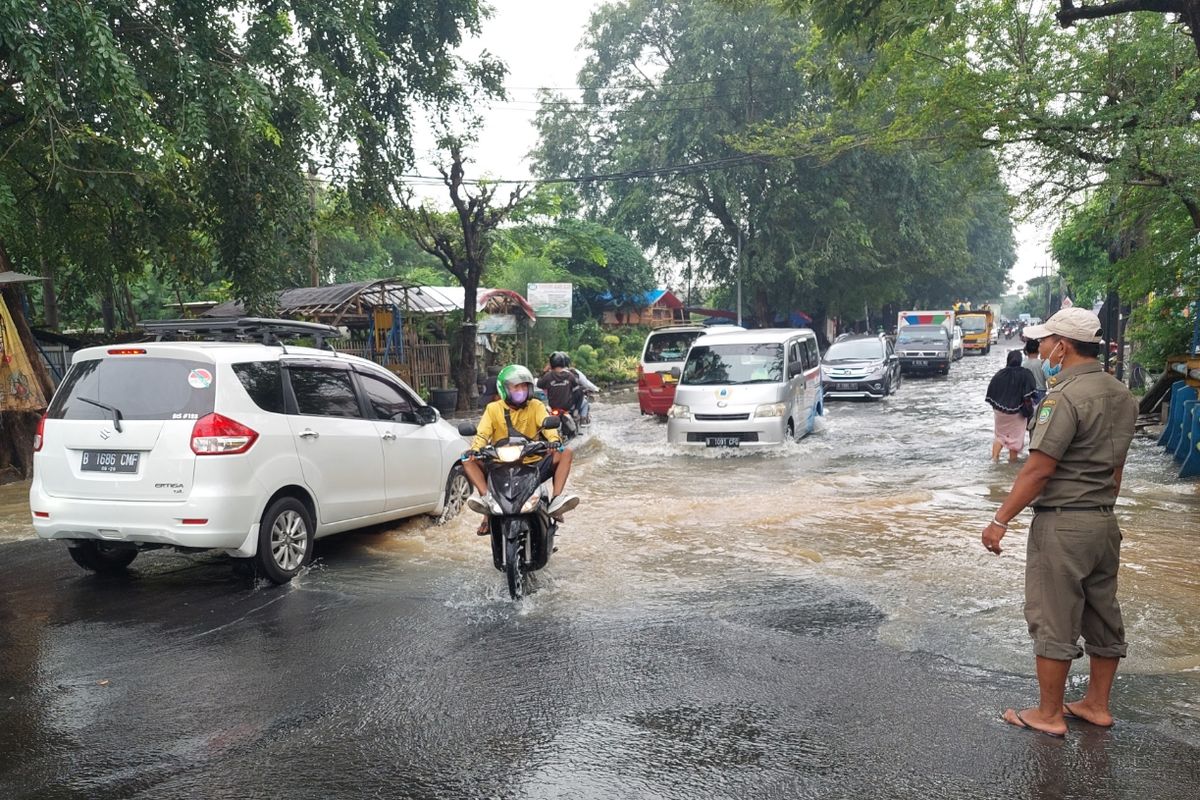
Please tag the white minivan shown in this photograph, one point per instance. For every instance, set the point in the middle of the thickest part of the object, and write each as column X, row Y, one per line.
column 249, row 448
column 748, row 389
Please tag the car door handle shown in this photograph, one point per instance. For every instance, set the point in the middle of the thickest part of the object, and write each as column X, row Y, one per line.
column 309, row 433
column 388, row 436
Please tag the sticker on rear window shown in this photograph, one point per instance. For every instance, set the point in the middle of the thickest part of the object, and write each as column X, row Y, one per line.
column 200, row 379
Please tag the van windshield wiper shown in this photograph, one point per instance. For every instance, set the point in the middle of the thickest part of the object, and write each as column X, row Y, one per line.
column 116, row 412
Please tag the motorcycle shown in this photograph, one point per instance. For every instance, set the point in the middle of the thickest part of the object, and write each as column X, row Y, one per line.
column 569, row 424
column 521, row 528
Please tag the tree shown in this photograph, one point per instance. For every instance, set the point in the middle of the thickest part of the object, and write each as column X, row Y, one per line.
column 675, row 90
column 175, row 135
column 462, row 240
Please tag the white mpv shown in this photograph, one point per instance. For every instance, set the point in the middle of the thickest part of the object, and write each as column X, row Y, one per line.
column 253, row 449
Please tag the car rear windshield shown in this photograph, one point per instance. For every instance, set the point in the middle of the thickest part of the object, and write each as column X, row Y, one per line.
column 138, row 387
column 668, row 346
column 861, row 349
column 727, row 364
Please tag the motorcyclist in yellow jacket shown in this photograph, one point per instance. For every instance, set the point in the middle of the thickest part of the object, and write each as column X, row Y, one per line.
column 526, row 414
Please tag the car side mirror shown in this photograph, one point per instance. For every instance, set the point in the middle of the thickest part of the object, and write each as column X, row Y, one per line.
column 551, row 422
column 467, row 428
column 676, row 373
column 795, row 368
column 426, row 415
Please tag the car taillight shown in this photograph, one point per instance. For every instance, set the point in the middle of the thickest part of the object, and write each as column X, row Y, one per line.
column 215, row 435
column 40, row 437
column 127, row 351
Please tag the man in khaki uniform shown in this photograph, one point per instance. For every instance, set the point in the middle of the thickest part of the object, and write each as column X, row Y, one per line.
column 1081, row 435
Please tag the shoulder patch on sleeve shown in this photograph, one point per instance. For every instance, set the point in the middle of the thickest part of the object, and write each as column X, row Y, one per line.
column 1044, row 414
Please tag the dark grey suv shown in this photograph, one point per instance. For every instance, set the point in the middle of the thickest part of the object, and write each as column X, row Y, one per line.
column 862, row 366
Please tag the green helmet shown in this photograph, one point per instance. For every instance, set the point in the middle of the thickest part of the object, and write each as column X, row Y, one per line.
column 512, row 375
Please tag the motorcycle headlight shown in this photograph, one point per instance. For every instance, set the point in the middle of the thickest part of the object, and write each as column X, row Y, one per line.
column 509, row 453
column 771, row 410
column 679, row 412
column 531, row 503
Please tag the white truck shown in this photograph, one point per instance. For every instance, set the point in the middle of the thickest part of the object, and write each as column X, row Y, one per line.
column 943, row 317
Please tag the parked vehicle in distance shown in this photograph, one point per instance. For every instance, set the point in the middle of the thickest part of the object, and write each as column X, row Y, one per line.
column 924, row 348
column 665, row 349
column 253, row 449
column 977, row 329
column 860, row 366
column 749, row 388
column 956, row 343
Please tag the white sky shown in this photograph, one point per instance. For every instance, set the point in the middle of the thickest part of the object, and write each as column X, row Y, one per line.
column 538, row 40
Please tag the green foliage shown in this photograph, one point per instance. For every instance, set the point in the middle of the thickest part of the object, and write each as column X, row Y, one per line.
column 173, row 136
column 827, row 235
column 1161, row 327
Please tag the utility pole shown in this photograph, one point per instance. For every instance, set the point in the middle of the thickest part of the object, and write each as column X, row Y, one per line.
column 314, row 261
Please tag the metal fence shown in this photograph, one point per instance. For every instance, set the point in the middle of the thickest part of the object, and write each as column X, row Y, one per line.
column 57, row 358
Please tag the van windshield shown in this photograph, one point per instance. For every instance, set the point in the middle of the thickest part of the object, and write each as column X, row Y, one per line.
column 668, row 346
column 911, row 335
column 730, row 364
column 139, row 387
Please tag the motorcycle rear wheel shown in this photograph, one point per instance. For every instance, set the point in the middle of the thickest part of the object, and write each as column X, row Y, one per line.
column 514, row 567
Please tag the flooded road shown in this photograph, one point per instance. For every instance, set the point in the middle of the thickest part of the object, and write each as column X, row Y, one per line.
column 816, row 622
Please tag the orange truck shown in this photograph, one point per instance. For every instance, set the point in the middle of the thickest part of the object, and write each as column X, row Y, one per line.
column 977, row 329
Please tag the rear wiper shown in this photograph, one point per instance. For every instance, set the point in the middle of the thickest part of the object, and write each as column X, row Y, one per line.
column 116, row 412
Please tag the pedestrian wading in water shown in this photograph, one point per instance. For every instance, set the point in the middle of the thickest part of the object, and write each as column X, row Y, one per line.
column 1010, row 394
column 1081, row 435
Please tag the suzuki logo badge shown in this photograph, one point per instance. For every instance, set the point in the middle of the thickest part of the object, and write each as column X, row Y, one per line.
column 104, row 434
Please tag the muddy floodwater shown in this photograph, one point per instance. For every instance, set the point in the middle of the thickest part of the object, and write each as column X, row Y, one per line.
column 817, row 621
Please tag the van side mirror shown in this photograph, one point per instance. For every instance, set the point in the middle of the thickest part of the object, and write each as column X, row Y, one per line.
column 795, row 368
column 676, row 373
column 467, row 428
column 551, row 422
column 426, row 415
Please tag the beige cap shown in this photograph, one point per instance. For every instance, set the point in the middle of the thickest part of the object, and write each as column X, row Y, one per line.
column 1073, row 323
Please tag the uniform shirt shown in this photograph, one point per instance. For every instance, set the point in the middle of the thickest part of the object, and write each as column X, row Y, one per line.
column 1086, row 423
column 560, row 387
column 528, row 422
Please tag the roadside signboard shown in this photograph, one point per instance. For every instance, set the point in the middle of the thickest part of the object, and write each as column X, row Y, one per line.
column 550, row 299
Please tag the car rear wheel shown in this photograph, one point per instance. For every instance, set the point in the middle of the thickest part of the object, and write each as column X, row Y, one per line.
column 103, row 557
column 285, row 540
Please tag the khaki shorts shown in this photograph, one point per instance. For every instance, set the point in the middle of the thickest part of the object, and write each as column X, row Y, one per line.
column 1071, row 566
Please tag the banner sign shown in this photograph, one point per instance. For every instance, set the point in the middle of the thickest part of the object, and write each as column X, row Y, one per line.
column 550, row 299
column 504, row 324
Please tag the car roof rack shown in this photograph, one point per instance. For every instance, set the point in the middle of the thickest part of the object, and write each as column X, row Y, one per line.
column 241, row 329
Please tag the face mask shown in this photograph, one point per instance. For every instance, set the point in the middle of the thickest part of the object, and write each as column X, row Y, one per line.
column 518, row 396
column 1049, row 370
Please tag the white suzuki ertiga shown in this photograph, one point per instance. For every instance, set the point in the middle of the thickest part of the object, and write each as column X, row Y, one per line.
column 249, row 448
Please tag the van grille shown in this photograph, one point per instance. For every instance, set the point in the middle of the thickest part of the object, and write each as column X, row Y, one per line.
column 721, row 417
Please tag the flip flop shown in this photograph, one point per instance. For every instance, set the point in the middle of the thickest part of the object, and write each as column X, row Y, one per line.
column 1069, row 714
column 1023, row 725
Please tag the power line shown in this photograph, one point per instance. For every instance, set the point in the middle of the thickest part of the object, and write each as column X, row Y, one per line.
column 604, row 177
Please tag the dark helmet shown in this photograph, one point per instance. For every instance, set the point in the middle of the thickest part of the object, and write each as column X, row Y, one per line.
column 559, row 359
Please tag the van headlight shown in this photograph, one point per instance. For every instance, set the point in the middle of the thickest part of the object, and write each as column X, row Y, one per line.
column 509, row 453
column 679, row 412
column 771, row 410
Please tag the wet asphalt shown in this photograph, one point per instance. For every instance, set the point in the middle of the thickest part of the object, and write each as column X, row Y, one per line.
column 371, row 677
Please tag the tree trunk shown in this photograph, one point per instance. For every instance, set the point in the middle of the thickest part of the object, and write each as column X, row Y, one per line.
column 49, row 293
column 17, row 428
column 464, row 372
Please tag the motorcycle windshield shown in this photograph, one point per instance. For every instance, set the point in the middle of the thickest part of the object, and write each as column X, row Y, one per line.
column 512, row 486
